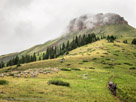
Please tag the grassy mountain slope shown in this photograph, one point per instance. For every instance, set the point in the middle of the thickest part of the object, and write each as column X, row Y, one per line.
column 100, row 61
column 7, row 57
column 119, row 30
column 113, row 29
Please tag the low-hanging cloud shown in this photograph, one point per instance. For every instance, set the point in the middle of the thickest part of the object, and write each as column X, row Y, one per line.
column 25, row 23
column 90, row 21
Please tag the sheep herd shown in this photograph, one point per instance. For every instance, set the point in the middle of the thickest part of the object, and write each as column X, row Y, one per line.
column 30, row 72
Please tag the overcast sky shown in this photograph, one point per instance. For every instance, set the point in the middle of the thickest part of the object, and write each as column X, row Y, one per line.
column 25, row 23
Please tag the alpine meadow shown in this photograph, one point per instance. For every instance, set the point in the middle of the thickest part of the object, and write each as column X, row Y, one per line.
column 77, row 66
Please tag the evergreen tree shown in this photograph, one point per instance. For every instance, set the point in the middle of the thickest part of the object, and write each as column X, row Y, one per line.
column 134, row 41
column 34, row 57
column 111, row 38
column 44, row 56
column 2, row 64
column 40, row 58
column 68, row 46
column 16, row 60
column 125, row 41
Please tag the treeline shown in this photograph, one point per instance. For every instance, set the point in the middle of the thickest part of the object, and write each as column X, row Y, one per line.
column 2, row 64
column 54, row 52
column 21, row 60
column 111, row 38
column 134, row 41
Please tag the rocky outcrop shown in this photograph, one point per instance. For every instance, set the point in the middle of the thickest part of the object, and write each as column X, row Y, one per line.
column 93, row 21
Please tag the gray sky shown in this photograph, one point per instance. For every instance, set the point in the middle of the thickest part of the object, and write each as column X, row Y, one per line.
column 25, row 23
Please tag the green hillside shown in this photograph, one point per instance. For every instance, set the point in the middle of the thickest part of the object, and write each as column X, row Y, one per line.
column 113, row 29
column 119, row 30
column 98, row 63
column 7, row 56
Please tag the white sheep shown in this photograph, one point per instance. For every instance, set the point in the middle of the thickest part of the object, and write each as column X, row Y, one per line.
column 17, row 75
column 2, row 75
column 25, row 75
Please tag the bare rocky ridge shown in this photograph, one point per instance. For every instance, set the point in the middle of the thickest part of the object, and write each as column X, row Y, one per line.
column 89, row 21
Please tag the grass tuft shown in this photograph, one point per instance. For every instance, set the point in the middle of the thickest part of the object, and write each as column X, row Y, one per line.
column 77, row 69
column 3, row 82
column 65, row 69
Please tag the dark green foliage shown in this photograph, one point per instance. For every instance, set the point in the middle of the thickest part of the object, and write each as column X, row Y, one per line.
column 68, row 64
column 132, row 68
column 23, row 59
column 85, row 61
column 102, row 56
column 77, row 69
column 103, row 37
column 94, row 59
column 3, row 82
column 128, row 64
column 105, row 53
column 134, row 41
column 40, row 58
column 53, row 51
column 118, row 63
column 65, row 69
column 11, row 74
column 18, row 65
column 6, row 71
column 125, row 41
column 111, row 38
column 2, row 64
column 58, row 82
column 91, row 68
column 107, row 59
column 116, row 54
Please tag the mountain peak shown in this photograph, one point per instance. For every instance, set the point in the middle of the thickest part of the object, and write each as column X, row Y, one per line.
column 89, row 21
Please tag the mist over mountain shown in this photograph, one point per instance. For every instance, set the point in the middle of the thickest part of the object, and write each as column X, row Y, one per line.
column 107, row 24
column 89, row 21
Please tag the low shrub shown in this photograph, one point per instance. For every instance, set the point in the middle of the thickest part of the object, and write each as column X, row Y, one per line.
column 68, row 64
column 77, row 69
column 3, row 82
column 91, row 68
column 128, row 64
column 132, row 68
column 116, row 54
column 125, row 41
column 102, row 56
column 105, row 53
column 65, row 69
column 11, row 74
column 58, row 82
column 18, row 65
column 94, row 59
column 107, row 59
column 6, row 71
column 134, row 41
column 85, row 60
